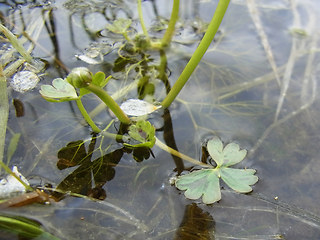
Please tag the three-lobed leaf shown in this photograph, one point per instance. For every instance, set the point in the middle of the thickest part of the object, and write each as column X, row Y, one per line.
column 199, row 183
column 205, row 182
column 142, row 132
column 227, row 156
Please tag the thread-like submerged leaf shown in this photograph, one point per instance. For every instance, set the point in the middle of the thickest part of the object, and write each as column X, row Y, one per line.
column 205, row 182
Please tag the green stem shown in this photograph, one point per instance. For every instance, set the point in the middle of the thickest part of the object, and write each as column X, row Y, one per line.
column 179, row 154
column 86, row 116
column 143, row 26
column 108, row 100
column 198, row 54
column 15, row 43
column 171, row 26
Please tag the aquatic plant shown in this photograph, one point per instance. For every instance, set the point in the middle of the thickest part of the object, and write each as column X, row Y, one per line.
column 140, row 133
column 205, row 182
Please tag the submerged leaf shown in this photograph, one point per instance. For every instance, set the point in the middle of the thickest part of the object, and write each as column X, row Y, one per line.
column 60, row 91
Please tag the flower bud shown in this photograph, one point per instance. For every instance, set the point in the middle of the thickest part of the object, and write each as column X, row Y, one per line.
column 79, row 77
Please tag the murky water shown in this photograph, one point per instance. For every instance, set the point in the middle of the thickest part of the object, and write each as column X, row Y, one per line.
column 257, row 86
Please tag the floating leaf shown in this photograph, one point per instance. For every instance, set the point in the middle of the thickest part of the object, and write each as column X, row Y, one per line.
column 142, row 132
column 60, row 91
column 24, row 81
column 205, row 182
column 227, row 156
column 199, row 183
column 239, row 179
column 119, row 26
column 137, row 107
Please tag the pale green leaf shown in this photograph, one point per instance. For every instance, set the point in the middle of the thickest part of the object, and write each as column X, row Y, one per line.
column 233, row 155
column 227, row 156
column 199, row 183
column 60, row 90
column 239, row 179
column 205, row 182
column 215, row 149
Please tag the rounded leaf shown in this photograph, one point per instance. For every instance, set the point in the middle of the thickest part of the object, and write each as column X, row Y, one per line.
column 232, row 154
column 215, row 149
column 239, row 179
column 199, row 183
column 60, row 89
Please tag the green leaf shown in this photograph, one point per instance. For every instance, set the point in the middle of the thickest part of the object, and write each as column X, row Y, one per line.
column 142, row 132
column 119, row 26
column 59, row 91
column 199, row 183
column 98, row 79
column 239, row 179
column 228, row 156
column 205, row 182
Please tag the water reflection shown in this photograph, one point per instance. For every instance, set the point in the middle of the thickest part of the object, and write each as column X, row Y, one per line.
column 196, row 224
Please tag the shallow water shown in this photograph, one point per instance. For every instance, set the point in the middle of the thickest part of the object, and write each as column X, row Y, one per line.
column 234, row 94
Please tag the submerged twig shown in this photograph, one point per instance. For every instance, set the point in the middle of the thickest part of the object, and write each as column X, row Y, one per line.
column 286, row 78
column 254, row 13
column 287, row 117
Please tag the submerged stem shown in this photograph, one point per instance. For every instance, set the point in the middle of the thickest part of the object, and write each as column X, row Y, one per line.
column 86, row 116
column 198, row 54
column 108, row 100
